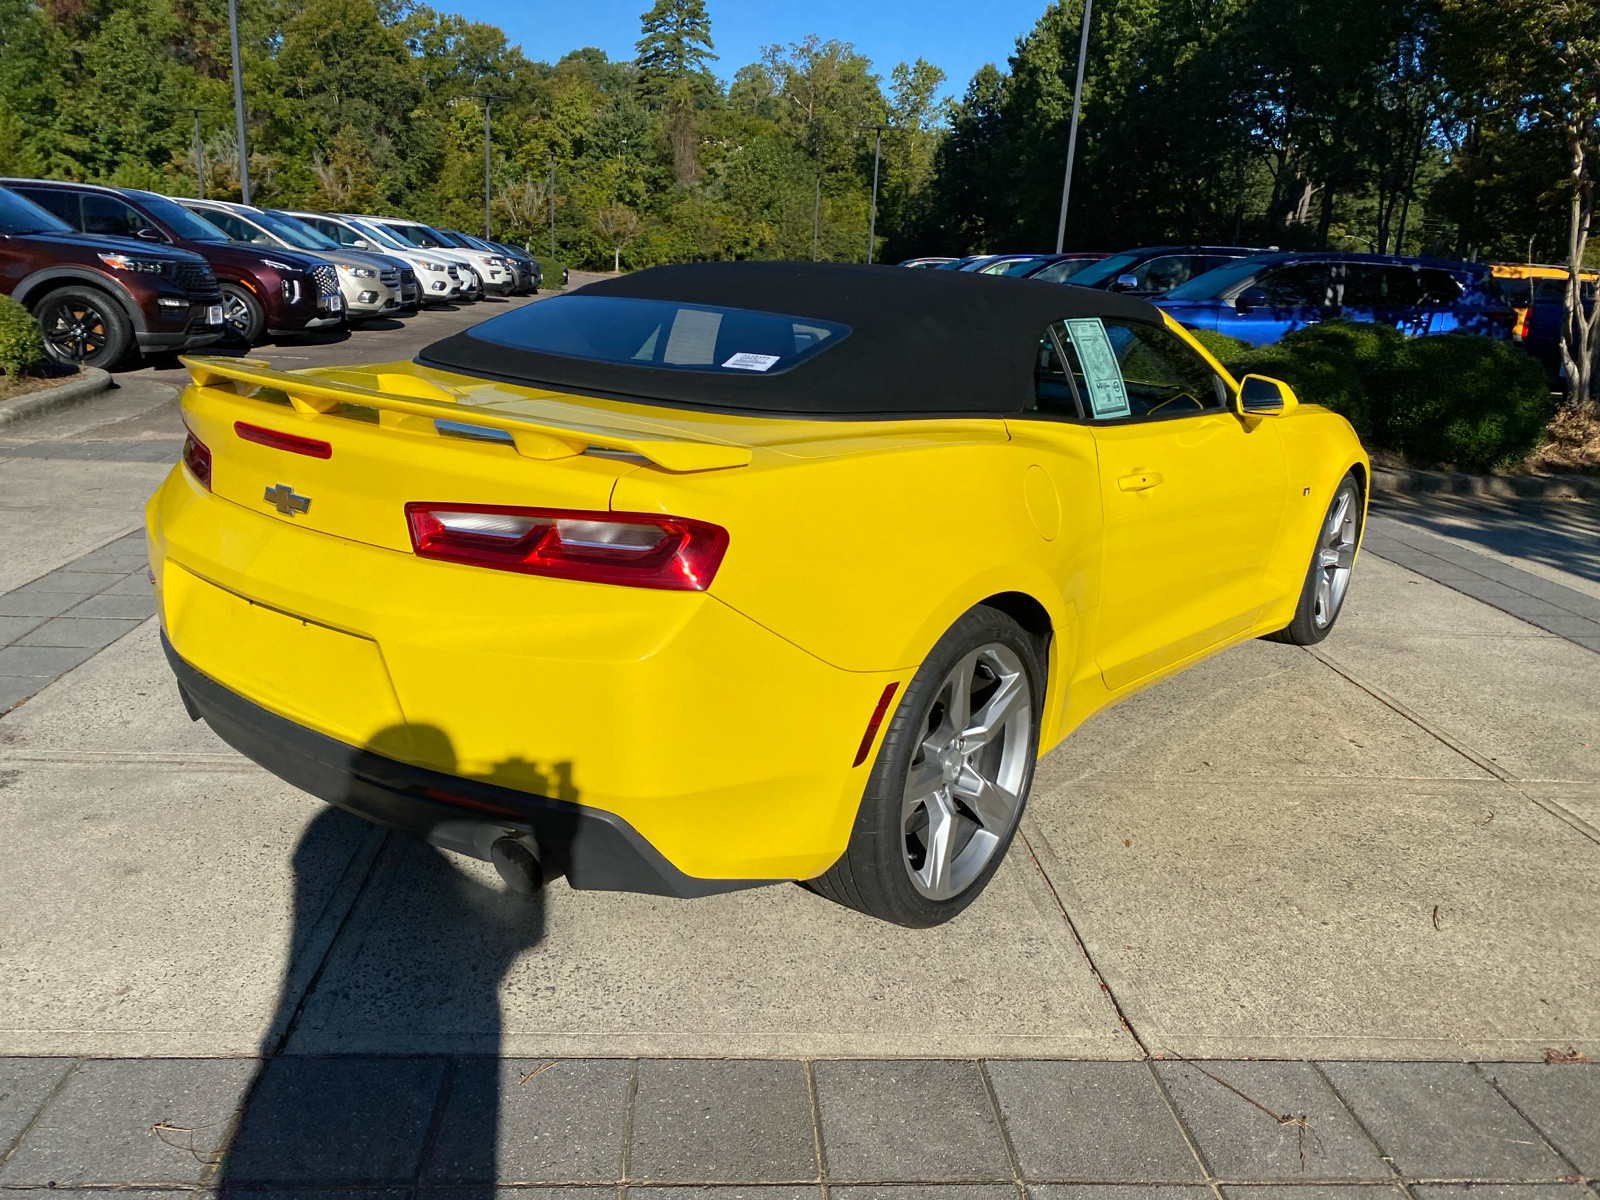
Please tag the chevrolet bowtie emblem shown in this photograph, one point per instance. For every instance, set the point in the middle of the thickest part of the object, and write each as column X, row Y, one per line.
column 281, row 496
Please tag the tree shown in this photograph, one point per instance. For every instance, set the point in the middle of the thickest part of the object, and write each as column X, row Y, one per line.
column 618, row 225
column 674, row 47
column 1539, row 61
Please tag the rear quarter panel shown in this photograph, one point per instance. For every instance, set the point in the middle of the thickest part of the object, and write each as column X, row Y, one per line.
column 866, row 558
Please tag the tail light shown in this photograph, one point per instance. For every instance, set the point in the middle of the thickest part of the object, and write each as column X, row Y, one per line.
column 633, row 549
column 197, row 457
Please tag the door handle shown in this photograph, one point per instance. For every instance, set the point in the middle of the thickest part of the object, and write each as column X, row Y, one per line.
column 1138, row 481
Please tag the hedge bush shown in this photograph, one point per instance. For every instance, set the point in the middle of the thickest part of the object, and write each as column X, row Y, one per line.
column 1460, row 399
column 21, row 340
column 549, row 274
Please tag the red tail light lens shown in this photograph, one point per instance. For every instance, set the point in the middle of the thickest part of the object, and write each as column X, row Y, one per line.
column 197, row 457
column 632, row 549
column 292, row 442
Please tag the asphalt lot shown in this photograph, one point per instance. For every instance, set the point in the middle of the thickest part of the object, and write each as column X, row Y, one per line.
column 1384, row 850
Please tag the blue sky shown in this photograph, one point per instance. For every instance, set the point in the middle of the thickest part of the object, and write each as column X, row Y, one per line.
column 958, row 35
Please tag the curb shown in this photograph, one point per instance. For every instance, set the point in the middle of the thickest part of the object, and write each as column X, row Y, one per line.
column 1545, row 487
column 75, row 391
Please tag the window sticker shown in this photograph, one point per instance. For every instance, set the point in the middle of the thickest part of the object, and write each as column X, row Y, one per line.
column 1108, row 397
column 746, row 361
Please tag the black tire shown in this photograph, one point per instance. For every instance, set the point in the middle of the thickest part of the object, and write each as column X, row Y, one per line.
column 1322, row 595
column 243, row 313
column 874, row 875
column 84, row 326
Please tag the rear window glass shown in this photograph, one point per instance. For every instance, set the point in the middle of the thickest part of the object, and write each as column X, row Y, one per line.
column 662, row 333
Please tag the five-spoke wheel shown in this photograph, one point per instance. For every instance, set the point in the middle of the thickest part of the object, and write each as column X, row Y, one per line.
column 83, row 326
column 1328, row 578
column 947, row 789
column 964, row 785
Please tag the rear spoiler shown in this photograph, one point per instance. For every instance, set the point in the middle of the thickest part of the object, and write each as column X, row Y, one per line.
column 400, row 398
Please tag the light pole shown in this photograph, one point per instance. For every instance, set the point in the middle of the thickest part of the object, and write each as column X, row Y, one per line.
column 872, row 218
column 552, row 207
column 816, row 218
column 199, row 163
column 238, row 100
column 1072, row 136
column 487, row 99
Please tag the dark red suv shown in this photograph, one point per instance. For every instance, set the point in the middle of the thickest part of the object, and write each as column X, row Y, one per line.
column 98, row 297
column 263, row 292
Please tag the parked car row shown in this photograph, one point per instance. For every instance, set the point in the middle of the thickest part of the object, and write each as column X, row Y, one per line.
column 110, row 271
column 1258, row 295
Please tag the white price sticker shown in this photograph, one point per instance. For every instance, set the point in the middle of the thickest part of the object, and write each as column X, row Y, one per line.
column 214, row 315
column 752, row 362
column 335, row 302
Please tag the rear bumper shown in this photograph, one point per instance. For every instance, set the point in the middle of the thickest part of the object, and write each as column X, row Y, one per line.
column 596, row 850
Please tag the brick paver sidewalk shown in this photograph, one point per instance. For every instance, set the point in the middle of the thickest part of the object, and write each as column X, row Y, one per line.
column 1058, row 1130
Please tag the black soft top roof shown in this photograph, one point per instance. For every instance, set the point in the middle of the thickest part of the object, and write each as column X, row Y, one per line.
column 922, row 342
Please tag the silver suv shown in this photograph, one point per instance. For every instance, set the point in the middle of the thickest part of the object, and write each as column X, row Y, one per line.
column 369, row 283
column 438, row 280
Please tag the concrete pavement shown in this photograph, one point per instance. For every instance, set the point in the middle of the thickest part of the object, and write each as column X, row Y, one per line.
column 1382, row 850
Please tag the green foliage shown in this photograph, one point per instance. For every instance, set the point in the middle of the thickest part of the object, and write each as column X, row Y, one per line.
column 549, row 274
column 21, row 340
column 1456, row 399
column 1468, row 401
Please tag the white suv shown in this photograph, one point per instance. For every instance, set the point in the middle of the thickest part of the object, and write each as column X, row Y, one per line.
column 438, row 279
column 370, row 282
column 492, row 270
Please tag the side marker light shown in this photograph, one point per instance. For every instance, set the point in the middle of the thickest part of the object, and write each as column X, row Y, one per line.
column 871, row 734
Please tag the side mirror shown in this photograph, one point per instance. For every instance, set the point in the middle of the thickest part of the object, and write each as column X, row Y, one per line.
column 1260, row 396
column 1125, row 283
column 150, row 234
column 361, row 244
column 1252, row 298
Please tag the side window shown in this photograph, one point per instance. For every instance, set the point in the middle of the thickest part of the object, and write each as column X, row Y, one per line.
column 337, row 232
column 1105, row 370
column 107, row 214
column 1163, row 376
column 63, row 204
column 1055, row 391
column 1365, row 286
column 1055, row 272
column 1438, row 288
column 1305, row 285
column 231, row 225
column 1165, row 273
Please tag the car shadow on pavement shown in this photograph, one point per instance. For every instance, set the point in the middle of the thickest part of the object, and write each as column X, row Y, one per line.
column 419, row 953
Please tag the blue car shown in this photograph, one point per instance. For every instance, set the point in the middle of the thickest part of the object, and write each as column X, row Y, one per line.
column 1260, row 299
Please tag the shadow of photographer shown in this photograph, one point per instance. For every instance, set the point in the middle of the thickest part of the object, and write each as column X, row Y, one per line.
column 381, row 1064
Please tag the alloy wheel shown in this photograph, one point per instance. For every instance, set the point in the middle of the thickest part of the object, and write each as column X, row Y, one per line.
column 74, row 330
column 965, row 782
column 1336, row 554
column 236, row 313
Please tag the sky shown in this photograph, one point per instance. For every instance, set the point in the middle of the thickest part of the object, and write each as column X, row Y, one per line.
column 958, row 35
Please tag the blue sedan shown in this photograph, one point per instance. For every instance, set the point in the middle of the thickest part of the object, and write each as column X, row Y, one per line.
column 1260, row 299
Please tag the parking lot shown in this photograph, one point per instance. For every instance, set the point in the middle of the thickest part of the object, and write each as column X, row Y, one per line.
column 1377, row 861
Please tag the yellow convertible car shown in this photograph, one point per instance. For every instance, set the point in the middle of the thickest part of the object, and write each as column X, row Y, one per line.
column 721, row 575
